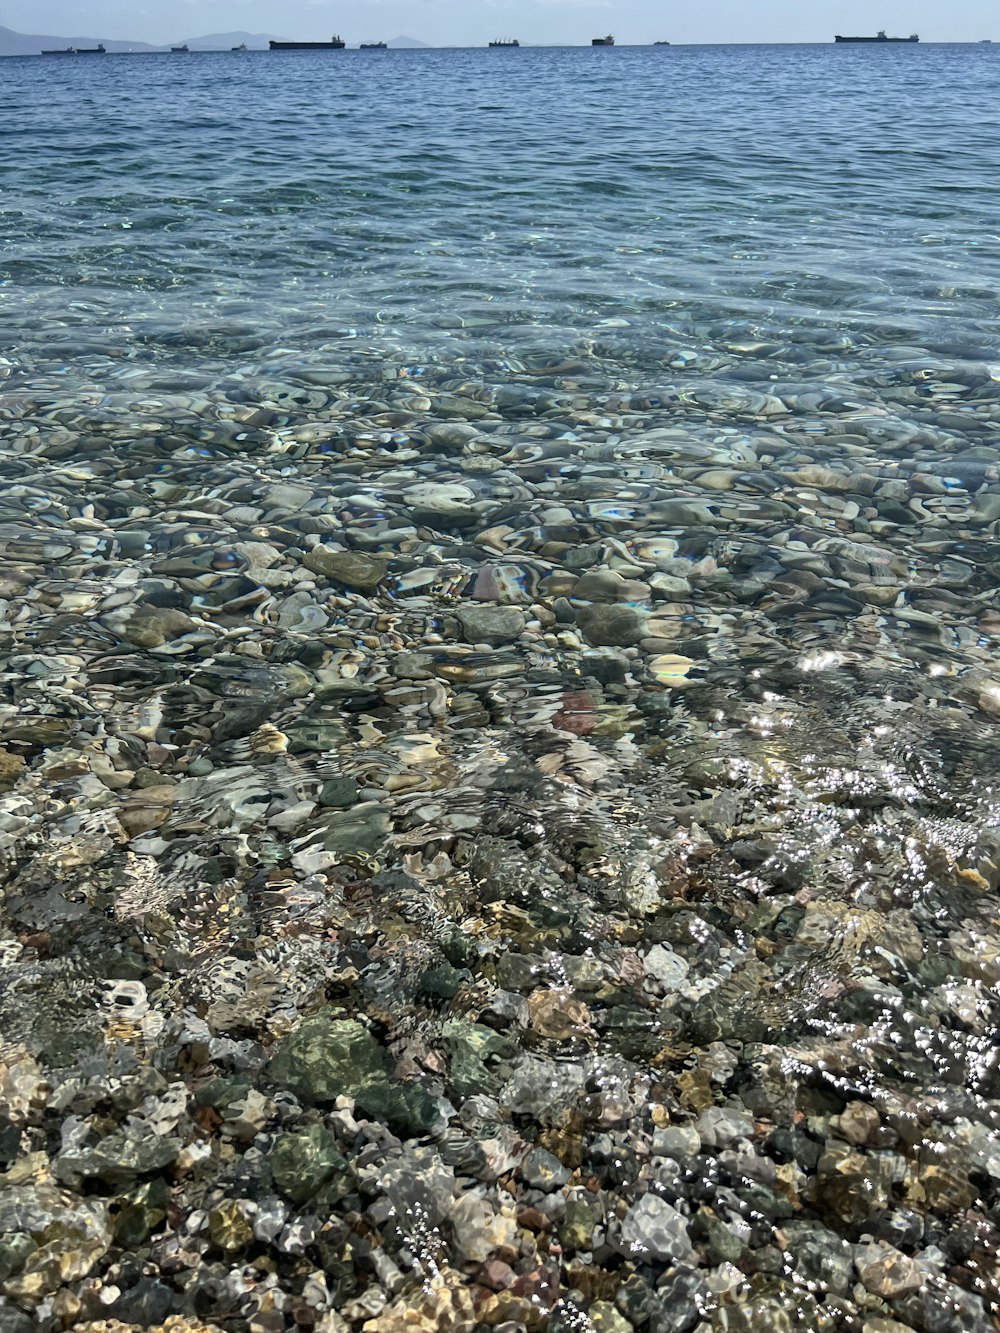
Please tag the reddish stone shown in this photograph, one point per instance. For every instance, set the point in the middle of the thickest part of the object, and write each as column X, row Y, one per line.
column 576, row 714
column 533, row 1219
column 540, row 1286
column 496, row 1275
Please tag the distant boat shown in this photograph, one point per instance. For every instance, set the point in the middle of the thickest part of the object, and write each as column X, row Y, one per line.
column 242, row 47
column 179, row 49
column 881, row 37
column 506, row 41
column 336, row 44
column 602, row 41
column 983, row 41
column 91, row 50
column 661, row 43
column 374, row 46
column 63, row 51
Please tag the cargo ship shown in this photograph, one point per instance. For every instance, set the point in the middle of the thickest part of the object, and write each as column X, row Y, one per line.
column 506, row 41
column 183, row 48
column 880, row 37
column 602, row 41
column 373, row 46
column 336, row 44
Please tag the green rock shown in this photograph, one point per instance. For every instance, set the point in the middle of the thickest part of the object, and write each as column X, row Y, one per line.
column 338, row 793
column 352, row 568
column 221, row 1093
column 140, row 1213
column 315, row 736
column 405, row 1107
column 10, row 1141
column 15, row 1248
column 324, row 1059
column 576, row 1230
column 473, row 1048
column 151, row 777
column 360, row 831
column 153, row 626
column 302, row 1163
column 604, row 1318
column 442, row 982
column 719, row 1243
column 229, row 1227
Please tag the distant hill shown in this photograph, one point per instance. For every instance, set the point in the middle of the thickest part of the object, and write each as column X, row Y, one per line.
column 224, row 41
column 28, row 44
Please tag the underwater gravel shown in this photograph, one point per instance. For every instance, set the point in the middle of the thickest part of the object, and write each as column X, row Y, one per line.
column 485, row 849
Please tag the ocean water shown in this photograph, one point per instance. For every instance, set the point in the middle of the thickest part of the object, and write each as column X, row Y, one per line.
column 510, row 537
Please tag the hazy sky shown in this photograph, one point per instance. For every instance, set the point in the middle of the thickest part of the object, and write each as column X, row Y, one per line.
column 472, row 22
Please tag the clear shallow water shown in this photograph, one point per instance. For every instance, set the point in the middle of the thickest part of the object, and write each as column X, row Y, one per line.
column 683, row 366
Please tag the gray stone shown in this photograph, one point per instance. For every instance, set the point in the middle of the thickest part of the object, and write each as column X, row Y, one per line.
column 610, row 626
column 654, row 1229
column 676, row 1141
column 666, row 967
column 338, row 793
column 599, row 585
column 351, row 568
column 719, row 1126
column 494, row 625
column 886, row 1271
column 542, row 1171
column 419, row 1186
column 821, row 1256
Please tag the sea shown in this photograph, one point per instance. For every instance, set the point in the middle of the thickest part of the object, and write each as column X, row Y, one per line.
column 499, row 624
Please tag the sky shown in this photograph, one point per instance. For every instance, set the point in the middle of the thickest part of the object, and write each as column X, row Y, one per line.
column 533, row 22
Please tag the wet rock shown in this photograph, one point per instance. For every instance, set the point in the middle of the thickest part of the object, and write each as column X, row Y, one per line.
column 653, row 1229
column 479, row 1230
column 11, row 768
column 676, row 1141
column 153, row 626
column 495, row 625
column 229, row 1226
column 542, row 1171
column 851, row 1187
column 886, row 1272
column 418, row 1184
column 604, row 1318
column 353, row 569
column 326, row 1058
column 610, row 625
column 576, row 1229
column 406, row 1108
column 303, row 1163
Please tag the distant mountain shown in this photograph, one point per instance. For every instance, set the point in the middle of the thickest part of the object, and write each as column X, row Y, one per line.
column 224, row 41
column 27, row 44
